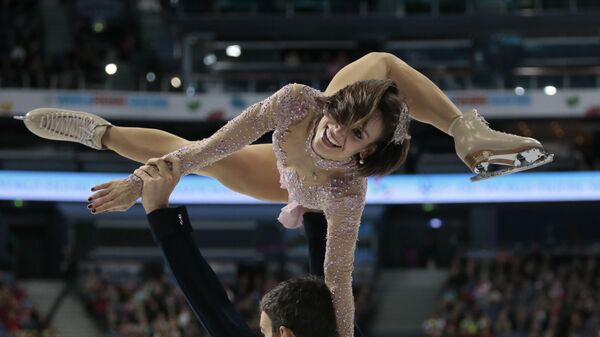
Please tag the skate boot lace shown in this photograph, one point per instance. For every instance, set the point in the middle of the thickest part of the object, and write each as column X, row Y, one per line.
column 487, row 124
column 79, row 128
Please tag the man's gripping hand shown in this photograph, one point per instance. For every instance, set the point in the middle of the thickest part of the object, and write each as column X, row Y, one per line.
column 160, row 176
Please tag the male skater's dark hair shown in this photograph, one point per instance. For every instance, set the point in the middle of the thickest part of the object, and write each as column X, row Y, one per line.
column 303, row 305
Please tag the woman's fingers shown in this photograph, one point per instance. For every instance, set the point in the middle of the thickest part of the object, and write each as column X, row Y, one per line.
column 99, row 194
column 106, row 207
column 101, row 186
column 118, row 196
column 118, row 204
column 95, row 204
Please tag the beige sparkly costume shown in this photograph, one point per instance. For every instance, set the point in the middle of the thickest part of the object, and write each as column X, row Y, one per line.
column 341, row 199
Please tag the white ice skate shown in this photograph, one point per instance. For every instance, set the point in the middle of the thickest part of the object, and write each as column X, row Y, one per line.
column 66, row 125
column 489, row 153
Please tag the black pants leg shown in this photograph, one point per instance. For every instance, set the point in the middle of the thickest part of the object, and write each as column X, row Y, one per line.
column 315, row 227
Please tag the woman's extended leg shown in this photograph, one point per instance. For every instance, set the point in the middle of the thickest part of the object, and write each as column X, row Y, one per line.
column 428, row 104
column 141, row 144
column 315, row 227
column 475, row 142
column 251, row 171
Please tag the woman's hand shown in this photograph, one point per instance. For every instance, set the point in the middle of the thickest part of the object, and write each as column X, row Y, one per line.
column 120, row 194
column 116, row 195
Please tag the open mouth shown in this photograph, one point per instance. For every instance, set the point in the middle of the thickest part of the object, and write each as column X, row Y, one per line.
column 328, row 139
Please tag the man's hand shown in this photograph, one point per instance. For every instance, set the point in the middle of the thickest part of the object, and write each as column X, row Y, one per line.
column 160, row 175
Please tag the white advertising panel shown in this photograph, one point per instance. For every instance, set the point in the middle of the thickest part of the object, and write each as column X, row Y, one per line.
column 161, row 106
column 395, row 189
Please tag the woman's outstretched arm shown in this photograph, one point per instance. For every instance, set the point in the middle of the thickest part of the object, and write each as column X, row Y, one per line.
column 343, row 216
column 244, row 129
column 241, row 131
column 428, row 104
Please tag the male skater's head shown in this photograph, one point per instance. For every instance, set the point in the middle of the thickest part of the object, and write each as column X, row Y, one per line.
column 299, row 307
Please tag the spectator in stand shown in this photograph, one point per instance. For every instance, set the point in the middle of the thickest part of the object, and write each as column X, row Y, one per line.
column 18, row 317
column 548, row 293
column 138, row 307
column 21, row 44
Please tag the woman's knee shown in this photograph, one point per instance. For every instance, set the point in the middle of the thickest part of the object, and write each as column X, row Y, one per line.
column 385, row 58
column 379, row 56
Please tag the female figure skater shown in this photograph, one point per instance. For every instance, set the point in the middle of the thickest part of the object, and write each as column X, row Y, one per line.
column 324, row 147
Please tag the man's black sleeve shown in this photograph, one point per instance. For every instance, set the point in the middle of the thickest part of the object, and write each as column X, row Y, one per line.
column 172, row 230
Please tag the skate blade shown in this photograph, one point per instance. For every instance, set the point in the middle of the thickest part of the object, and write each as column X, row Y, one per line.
column 527, row 160
column 20, row 118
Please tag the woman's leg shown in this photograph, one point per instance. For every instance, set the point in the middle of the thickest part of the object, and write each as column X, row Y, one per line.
column 315, row 227
column 251, row 171
column 428, row 104
column 475, row 142
column 141, row 144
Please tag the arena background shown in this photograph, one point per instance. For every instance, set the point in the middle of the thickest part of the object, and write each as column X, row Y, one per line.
column 437, row 255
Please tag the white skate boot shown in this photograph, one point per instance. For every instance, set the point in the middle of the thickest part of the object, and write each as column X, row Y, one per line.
column 66, row 125
column 489, row 153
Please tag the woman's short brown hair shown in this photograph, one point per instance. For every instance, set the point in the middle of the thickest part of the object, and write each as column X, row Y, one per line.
column 360, row 101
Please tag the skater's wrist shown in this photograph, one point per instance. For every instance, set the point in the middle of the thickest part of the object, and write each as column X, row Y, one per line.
column 135, row 182
column 150, row 206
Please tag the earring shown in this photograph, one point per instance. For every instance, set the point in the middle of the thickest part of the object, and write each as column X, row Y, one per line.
column 361, row 161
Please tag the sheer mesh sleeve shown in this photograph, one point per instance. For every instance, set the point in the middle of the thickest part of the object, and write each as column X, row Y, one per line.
column 343, row 219
column 252, row 123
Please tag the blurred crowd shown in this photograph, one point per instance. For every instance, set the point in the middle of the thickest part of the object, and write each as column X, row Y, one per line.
column 18, row 317
column 151, row 304
column 21, row 49
column 132, row 306
column 521, row 293
column 76, row 61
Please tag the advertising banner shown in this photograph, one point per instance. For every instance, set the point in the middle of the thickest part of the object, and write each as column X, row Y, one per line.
column 394, row 189
column 221, row 106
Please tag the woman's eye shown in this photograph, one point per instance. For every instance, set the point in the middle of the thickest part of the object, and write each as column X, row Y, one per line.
column 358, row 133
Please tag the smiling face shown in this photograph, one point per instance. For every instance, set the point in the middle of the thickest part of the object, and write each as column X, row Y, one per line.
column 336, row 142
